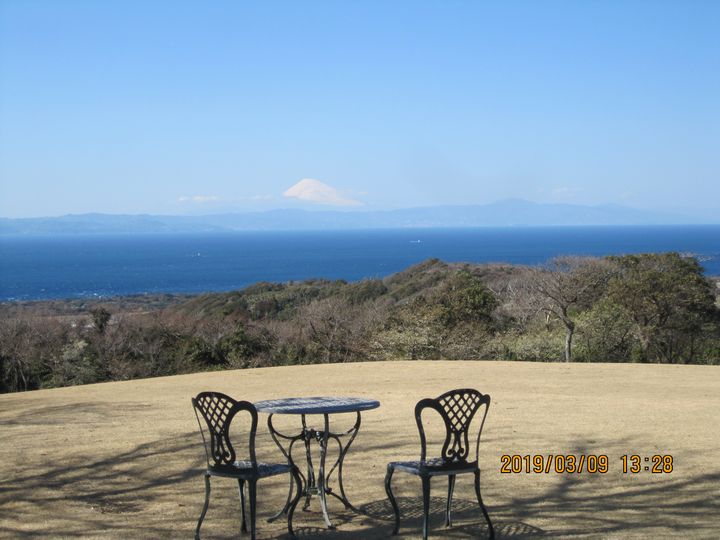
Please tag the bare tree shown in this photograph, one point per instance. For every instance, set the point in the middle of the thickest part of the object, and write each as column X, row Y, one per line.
column 566, row 284
column 15, row 343
column 516, row 298
column 336, row 331
column 100, row 318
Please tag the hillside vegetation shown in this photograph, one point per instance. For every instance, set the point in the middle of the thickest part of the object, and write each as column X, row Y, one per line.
column 635, row 308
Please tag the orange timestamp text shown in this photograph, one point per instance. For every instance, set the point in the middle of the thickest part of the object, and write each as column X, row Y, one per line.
column 554, row 463
column 583, row 463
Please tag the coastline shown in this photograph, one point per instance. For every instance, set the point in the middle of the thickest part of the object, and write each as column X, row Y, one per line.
column 109, row 266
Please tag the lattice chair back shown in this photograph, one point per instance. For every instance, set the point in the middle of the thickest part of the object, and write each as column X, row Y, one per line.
column 218, row 411
column 457, row 409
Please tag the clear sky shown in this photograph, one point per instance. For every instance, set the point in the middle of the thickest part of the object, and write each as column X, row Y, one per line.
column 201, row 107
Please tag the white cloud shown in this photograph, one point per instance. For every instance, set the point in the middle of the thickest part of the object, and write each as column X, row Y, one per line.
column 315, row 191
column 199, row 198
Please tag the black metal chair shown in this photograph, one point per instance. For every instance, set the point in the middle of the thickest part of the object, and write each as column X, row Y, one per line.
column 457, row 409
column 218, row 412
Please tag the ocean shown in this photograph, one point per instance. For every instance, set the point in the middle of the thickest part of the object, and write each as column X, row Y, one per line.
column 45, row 267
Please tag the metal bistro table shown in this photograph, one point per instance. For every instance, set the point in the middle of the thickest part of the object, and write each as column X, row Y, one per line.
column 316, row 485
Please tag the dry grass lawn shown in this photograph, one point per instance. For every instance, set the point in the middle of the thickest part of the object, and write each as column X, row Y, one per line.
column 123, row 460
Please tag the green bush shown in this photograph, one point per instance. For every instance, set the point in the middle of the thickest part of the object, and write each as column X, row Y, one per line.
column 604, row 334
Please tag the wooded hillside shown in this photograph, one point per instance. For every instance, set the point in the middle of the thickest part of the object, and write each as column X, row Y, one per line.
column 635, row 308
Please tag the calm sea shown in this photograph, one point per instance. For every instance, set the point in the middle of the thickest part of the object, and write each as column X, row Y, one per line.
column 110, row 265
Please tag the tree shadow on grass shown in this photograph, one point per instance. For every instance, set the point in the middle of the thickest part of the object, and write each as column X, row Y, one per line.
column 375, row 522
column 621, row 504
column 74, row 414
column 76, row 496
column 575, row 505
column 154, row 490
column 467, row 518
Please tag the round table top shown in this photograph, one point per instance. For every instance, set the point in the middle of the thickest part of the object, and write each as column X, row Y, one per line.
column 316, row 405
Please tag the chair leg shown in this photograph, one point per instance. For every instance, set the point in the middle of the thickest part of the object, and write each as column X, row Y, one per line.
column 205, row 506
column 482, row 506
column 252, row 484
column 451, row 488
column 393, row 502
column 295, row 501
column 241, row 488
column 426, row 505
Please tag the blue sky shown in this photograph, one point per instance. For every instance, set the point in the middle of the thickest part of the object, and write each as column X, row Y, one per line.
column 204, row 107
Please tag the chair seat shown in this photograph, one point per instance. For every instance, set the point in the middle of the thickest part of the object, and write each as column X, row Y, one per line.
column 434, row 467
column 244, row 469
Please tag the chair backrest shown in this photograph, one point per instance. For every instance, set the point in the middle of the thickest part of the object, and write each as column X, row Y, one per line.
column 217, row 411
column 457, row 409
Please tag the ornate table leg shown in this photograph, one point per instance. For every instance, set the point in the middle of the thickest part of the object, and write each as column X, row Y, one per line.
column 288, row 455
column 322, row 478
column 310, row 486
column 353, row 431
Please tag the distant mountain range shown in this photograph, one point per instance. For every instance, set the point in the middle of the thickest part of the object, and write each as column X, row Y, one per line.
column 506, row 213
